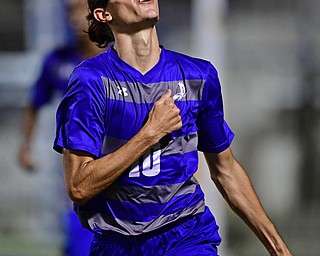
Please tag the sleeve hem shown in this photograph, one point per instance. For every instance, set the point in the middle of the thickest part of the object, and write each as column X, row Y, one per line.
column 219, row 148
column 58, row 146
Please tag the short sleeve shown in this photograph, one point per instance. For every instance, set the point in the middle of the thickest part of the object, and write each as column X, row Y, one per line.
column 80, row 115
column 41, row 92
column 214, row 134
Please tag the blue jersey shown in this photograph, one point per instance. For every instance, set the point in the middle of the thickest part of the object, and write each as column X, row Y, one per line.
column 107, row 103
column 54, row 76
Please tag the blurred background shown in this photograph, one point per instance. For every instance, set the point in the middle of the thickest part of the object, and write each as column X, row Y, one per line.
column 268, row 57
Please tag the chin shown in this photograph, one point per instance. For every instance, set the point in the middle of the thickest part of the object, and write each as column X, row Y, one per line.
column 153, row 16
column 152, row 21
column 152, row 13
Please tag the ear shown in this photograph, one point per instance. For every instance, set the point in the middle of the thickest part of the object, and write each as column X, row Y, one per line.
column 102, row 15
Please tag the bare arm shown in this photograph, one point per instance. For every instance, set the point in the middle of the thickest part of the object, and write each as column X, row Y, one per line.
column 86, row 177
column 235, row 186
column 29, row 123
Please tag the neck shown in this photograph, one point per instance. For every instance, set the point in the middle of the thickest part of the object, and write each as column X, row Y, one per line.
column 140, row 50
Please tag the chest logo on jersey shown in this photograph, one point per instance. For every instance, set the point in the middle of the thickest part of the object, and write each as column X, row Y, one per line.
column 182, row 92
column 122, row 91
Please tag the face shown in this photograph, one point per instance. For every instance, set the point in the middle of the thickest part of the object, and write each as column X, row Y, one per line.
column 128, row 14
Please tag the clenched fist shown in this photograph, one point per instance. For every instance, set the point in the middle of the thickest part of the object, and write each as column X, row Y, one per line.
column 164, row 117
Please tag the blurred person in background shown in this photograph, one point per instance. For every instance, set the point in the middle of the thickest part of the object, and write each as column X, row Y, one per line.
column 129, row 129
column 53, row 80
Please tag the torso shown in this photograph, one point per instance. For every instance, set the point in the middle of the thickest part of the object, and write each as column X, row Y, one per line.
column 160, row 187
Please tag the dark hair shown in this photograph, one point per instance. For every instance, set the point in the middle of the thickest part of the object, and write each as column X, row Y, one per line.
column 98, row 32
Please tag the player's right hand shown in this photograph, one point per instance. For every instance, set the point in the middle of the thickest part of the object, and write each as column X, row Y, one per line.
column 164, row 117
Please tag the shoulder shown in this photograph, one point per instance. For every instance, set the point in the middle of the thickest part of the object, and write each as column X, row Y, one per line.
column 87, row 76
column 96, row 66
column 192, row 65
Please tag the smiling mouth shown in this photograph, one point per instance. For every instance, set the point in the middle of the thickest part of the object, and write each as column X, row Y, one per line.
column 143, row 1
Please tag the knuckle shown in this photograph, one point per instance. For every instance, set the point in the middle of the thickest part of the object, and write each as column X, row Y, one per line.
column 170, row 100
column 157, row 103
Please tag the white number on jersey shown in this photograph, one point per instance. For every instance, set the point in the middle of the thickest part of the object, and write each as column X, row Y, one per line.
column 148, row 164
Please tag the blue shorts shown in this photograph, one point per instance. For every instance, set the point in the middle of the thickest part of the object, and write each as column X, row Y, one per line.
column 197, row 235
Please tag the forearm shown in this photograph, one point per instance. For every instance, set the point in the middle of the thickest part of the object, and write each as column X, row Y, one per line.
column 236, row 187
column 29, row 123
column 86, row 177
column 239, row 193
column 95, row 175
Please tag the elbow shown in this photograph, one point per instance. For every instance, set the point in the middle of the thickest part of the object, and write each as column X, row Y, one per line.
column 78, row 195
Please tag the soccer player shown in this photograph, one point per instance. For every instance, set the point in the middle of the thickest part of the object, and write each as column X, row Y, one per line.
column 129, row 129
column 53, row 80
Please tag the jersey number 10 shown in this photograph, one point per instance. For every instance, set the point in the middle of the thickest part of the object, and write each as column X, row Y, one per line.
column 147, row 165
